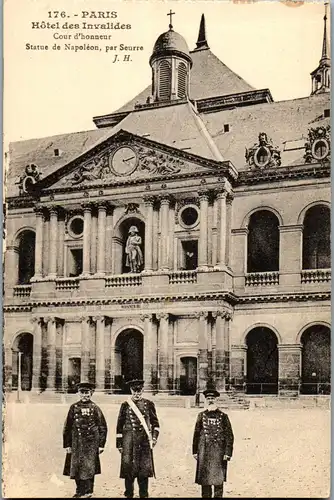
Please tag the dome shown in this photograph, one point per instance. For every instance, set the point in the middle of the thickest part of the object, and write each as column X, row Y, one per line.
column 170, row 43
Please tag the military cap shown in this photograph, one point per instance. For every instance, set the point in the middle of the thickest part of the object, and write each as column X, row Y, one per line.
column 136, row 383
column 85, row 385
column 211, row 391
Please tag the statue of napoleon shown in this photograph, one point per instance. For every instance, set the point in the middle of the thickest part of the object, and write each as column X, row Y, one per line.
column 134, row 254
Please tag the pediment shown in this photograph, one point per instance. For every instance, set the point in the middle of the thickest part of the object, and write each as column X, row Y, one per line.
column 125, row 159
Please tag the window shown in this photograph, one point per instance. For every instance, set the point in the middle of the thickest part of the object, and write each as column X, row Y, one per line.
column 320, row 149
column 26, row 257
column 189, row 217
column 75, row 261
column 181, row 80
column 56, row 152
column 316, row 238
column 262, row 156
column 190, row 255
column 226, row 127
column 164, row 80
column 76, row 226
column 263, row 242
column 327, row 113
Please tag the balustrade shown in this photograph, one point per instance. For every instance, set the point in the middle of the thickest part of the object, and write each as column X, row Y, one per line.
column 316, row 275
column 262, row 279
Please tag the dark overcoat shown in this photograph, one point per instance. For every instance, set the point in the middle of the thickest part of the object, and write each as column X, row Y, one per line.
column 85, row 431
column 137, row 456
column 213, row 438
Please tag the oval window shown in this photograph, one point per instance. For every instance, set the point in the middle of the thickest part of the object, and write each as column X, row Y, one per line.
column 76, row 226
column 262, row 156
column 189, row 216
column 320, row 149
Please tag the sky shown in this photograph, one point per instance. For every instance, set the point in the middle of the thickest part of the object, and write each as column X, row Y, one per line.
column 270, row 44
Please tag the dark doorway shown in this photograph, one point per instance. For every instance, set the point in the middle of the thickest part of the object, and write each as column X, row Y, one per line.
column 24, row 344
column 75, row 262
column 188, row 376
column 262, row 361
column 26, row 257
column 316, row 238
column 129, row 350
column 316, row 360
column 190, row 254
column 263, row 242
column 74, row 373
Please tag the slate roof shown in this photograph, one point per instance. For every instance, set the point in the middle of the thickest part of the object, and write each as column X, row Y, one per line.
column 285, row 122
column 209, row 77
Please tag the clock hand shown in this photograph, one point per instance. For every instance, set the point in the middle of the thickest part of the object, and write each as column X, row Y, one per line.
column 127, row 159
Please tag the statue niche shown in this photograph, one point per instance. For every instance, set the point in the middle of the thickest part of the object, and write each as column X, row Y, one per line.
column 134, row 255
column 129, row 246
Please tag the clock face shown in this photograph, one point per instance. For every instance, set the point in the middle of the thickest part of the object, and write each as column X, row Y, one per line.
column 124, row 161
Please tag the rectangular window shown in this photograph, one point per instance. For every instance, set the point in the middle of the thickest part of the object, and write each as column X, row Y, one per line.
column 190, row 255
column 327, row 113
column 75, row 262
column 226, row 127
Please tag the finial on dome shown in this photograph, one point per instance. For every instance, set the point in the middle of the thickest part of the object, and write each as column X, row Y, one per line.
column 325, row 51
column 170, row 14
column 201, row 40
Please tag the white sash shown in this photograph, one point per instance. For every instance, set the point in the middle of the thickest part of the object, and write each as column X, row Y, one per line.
column 142, row 420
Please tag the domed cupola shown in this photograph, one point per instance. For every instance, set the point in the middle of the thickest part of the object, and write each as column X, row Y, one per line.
column 171, row 63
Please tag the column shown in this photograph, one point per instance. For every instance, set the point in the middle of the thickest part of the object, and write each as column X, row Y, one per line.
column 109, row 239
column 148, row 258
column 61, row 236
column 101, row 238
column 163, row 350
column 170, row 363
column 37, row 353
column 11, row 268
column 203, row 231
column 53, row 239
column 289, row 368
column 239, row 256
column 51, row 352
column 290, row 250
column 222, row 232
column 85, row 354
column 229, row 200
column 171, row 235
column 202, row 351
column 39, row 243
column 164, row 233
column 220, row 350
column 150, row 353
column 8, row 368
column 93, row 244
column 86, row 239
column 238, row 365
column 100, row 353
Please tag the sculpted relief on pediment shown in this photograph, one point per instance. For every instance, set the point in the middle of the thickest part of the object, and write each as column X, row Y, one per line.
column 124, row 161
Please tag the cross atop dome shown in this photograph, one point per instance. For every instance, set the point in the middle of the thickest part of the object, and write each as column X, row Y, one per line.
column 170, row 14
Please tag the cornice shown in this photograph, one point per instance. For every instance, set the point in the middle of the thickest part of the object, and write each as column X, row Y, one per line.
column 248, row 177
column 229, row 297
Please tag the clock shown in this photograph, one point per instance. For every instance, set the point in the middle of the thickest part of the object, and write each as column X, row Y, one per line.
column 124, row 161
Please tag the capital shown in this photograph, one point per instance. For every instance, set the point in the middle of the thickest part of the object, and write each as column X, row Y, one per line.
column 202, row 315
column 39, row 210
column 98, row 319
column 49, row 320
column 102, row 206
column 36, row 320
column 162, row 316
column 149, row 200
column 53, row 210
column 87, row 207
column 204, row 194
column 229, row 198
column 146, row 317
column 165, row 199
column 85, row 319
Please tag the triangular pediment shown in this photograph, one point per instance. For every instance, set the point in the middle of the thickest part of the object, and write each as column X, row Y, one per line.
column 125, row 158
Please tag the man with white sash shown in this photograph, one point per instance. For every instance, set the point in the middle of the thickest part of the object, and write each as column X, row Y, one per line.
column 137, row 433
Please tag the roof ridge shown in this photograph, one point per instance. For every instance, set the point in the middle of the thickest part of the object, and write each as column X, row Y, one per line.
column 205, row 133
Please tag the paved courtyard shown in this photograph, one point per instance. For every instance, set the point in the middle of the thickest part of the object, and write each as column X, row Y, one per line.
column 278, row 453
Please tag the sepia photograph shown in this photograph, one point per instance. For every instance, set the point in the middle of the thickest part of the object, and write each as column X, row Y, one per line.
column 167, row 265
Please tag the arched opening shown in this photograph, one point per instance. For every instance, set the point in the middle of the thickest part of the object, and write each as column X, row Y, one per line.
column 262, row 361
column 122, row 258
column 73, row 374
column 23, row 344
column 129, row 350
column 188, row 375
column 316, row 238
column 26, row 268
column 263, row 242
column 316, row 360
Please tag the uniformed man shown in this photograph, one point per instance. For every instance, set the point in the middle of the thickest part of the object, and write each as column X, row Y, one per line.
column 137, row 434
column 84, row 437
column 212, row 446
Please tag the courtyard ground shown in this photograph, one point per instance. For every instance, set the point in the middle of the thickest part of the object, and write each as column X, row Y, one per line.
column 277, row 453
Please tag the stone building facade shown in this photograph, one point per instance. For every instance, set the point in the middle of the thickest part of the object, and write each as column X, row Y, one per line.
column 186, row 238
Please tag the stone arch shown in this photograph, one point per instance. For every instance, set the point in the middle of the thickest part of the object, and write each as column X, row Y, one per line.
column 16, row 237
column 302, row 214
column 245, row 221
column 316, row 359
column 263, row 241
column 120, row 237
column 128, row 357
column 309, row 325
column 260, row 324
column 22, row 342
column 262, row 361
column 316, row 251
